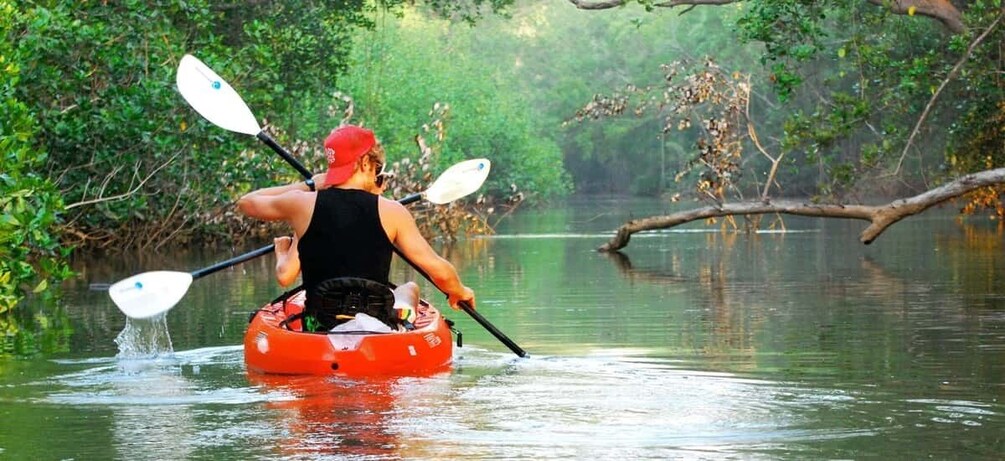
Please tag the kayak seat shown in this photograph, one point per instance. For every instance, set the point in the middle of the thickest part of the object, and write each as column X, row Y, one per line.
column 338, row 300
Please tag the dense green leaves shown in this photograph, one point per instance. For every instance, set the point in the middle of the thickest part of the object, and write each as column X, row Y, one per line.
column 792, row 32
column 978, row 134
column 99, row 149
column 30, row 253
column 136, row 166
column 412, row 63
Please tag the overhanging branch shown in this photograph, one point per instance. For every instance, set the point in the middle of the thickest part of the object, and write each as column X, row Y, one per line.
column 940, row 10
column 881, row 217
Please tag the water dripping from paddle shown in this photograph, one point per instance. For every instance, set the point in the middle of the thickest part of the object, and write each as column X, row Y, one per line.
column 144, row 338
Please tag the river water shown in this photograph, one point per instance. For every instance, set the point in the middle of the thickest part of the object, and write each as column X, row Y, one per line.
column 798, row 343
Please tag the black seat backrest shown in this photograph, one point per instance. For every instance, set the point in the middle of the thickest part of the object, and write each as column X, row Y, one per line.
column 338, row 300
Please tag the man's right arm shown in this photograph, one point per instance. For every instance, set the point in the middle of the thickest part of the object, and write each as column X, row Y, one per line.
column 270, row 204
column 414, row 246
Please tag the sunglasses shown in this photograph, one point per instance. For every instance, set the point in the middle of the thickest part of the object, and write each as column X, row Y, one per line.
column 382, row 176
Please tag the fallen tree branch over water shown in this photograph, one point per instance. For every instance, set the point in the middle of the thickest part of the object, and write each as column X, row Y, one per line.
column 943, row 11
column 880, row 216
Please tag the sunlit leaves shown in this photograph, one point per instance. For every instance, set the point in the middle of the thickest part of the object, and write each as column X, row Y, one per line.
column 30, row 254
column 987, row 198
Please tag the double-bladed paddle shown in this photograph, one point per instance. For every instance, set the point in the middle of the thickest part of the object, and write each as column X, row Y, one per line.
column 151, row 293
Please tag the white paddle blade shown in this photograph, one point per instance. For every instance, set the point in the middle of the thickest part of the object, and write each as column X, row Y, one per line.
column 459, row 180
column 213, row 98
column 150, row 293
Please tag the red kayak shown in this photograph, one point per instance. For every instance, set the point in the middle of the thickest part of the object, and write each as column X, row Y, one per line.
column 273, row 345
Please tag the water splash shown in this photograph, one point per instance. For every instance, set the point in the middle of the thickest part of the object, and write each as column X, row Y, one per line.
column 144, row 338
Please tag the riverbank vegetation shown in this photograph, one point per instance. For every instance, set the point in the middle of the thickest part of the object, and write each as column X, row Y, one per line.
column 842, row 101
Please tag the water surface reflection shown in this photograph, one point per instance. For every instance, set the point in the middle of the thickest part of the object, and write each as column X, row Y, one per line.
column 690, row 344
column 621, row 403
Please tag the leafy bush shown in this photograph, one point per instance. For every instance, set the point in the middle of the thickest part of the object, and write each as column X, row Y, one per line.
column 30, row 254
column 135, row 166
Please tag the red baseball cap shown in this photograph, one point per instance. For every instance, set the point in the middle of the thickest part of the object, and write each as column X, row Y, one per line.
column 343, row 146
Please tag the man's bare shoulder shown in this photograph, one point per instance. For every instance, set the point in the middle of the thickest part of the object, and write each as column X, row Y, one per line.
column 394, row 210
column 391, row 205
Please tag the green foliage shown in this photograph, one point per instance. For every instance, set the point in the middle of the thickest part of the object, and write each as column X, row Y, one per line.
column 979, row 142
column 135, row 165
column 468, row 11
column 410, row 63
column 978, row 135
column 31, row 257
column 858, row 77
column 792, row 32
column 854, row 78
column 112, row 126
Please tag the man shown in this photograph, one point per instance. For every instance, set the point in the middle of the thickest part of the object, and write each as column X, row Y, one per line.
column 345, row 228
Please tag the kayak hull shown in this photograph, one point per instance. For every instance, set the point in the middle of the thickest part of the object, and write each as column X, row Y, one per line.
column 274, row 348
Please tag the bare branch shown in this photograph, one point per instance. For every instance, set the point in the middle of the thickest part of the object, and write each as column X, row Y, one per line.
column 752, row 133
column 880, row 217
column 608, row 4
column 941, row 10
column 123, row 195
column 167, row 219
column 601, row 5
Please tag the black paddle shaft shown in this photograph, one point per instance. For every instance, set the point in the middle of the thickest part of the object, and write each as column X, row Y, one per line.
column 484, row 322
column 233, row 261
column 284, row 154
column 492, row 329
column 268, row 248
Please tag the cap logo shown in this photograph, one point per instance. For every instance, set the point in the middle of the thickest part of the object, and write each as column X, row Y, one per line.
column 330, row 153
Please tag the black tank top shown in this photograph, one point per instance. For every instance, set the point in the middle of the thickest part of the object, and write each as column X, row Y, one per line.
column 344, row 239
